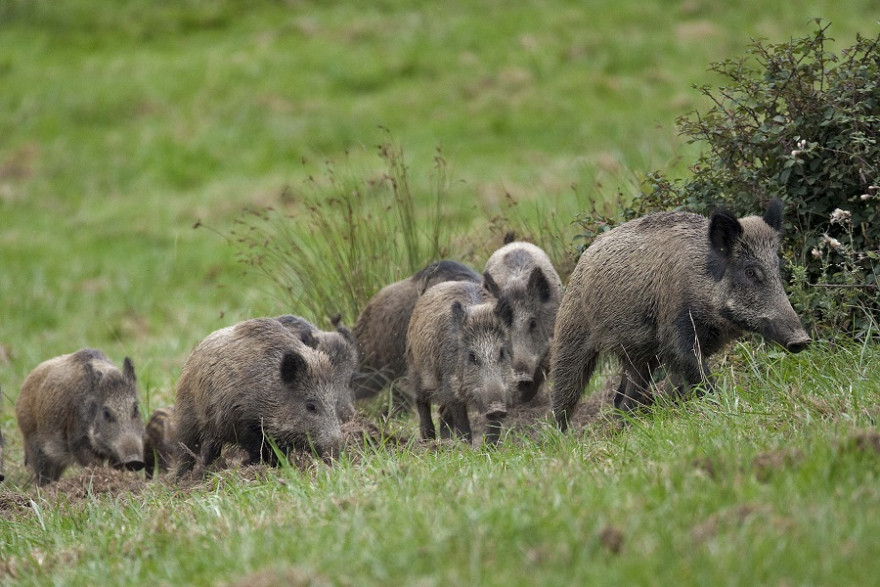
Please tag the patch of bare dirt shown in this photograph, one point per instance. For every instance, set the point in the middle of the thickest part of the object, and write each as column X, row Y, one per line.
column 863, row 441
column 611, row 539
column 731, row 517
column 529, row 418
column 14, row 504
column 766, row 464
column 94, row 481
column 288, row 577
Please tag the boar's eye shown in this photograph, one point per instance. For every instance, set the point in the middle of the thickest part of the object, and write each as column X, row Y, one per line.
column 311, row 407
column 753, row 274
column 472, row 358
column 501, row 354
column 108, row 415
column 135, row 413
column 533, row 324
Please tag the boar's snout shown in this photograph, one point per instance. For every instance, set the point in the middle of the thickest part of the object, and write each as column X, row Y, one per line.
column 798, row 344
column 496, row 411
column 133, row 463
column 129, row 454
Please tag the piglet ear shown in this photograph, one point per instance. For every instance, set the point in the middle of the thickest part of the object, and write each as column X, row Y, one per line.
column 128, row 370
column 773, row 214
column 539, row 286
column 293, row 367
column 504, row 311
column 724, row 230
column 490, row 285
column 93, row 377
column 458, row 314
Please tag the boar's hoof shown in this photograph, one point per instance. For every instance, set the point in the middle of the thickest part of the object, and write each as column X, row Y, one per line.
column 796, row 346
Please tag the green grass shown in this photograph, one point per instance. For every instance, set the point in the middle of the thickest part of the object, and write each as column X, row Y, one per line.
column 124, row 124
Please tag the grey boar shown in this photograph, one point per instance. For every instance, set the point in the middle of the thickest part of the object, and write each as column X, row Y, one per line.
column 380, row 330
column 339, row 345
column 459, row 355
column 251, row 383
column 2, row 477
column 523, row 273
column 670, row 289
column 80, row 408
column 159, row 438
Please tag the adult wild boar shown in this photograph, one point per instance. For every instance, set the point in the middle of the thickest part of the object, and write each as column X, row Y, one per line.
column 252, row 382
column 339, row 345
column 80, row 408
column 670, row 289
column 380, row 330
column 523, row 273
column 459, row 356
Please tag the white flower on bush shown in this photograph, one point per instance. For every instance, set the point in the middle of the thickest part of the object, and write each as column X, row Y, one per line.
column 817, row 254
column 832, row 242
column 840, row 216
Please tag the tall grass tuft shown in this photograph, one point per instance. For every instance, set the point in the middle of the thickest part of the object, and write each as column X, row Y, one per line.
column 341, row 236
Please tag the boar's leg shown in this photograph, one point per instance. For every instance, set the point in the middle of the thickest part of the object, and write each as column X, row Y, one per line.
column 45, row 467
column 210, row 451
column 447, row 423
column 461, row 424
column 423, row 405
column 573, row 363
column 634, row 390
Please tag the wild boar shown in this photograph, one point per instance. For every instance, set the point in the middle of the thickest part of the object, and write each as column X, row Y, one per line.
column 459, row 355
column 159, row 438
column 380, row 330
column 251, row 383
column 522, row 273
column 670, row 289
column 80, row 408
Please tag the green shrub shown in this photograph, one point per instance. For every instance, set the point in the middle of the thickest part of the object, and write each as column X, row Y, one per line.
column 801, row 123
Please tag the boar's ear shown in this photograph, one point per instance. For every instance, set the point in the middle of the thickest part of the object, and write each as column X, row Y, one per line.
column 539, row 287
column 504, row 311
column 128, row 370
column 490, row 285
column 293, row 366
column 93, row 377
column 458, row 314
column 773, row 214
column 724, row 230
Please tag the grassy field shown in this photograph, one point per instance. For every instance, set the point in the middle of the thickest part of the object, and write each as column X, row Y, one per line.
column 126, row 124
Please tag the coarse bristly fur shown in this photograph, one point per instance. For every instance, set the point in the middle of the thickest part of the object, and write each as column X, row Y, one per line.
column 80, row 408
column 459, row 355
column 670, row 289
column 380, row 330
column 251, row 383
column 159, row 438
column 523, row 273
